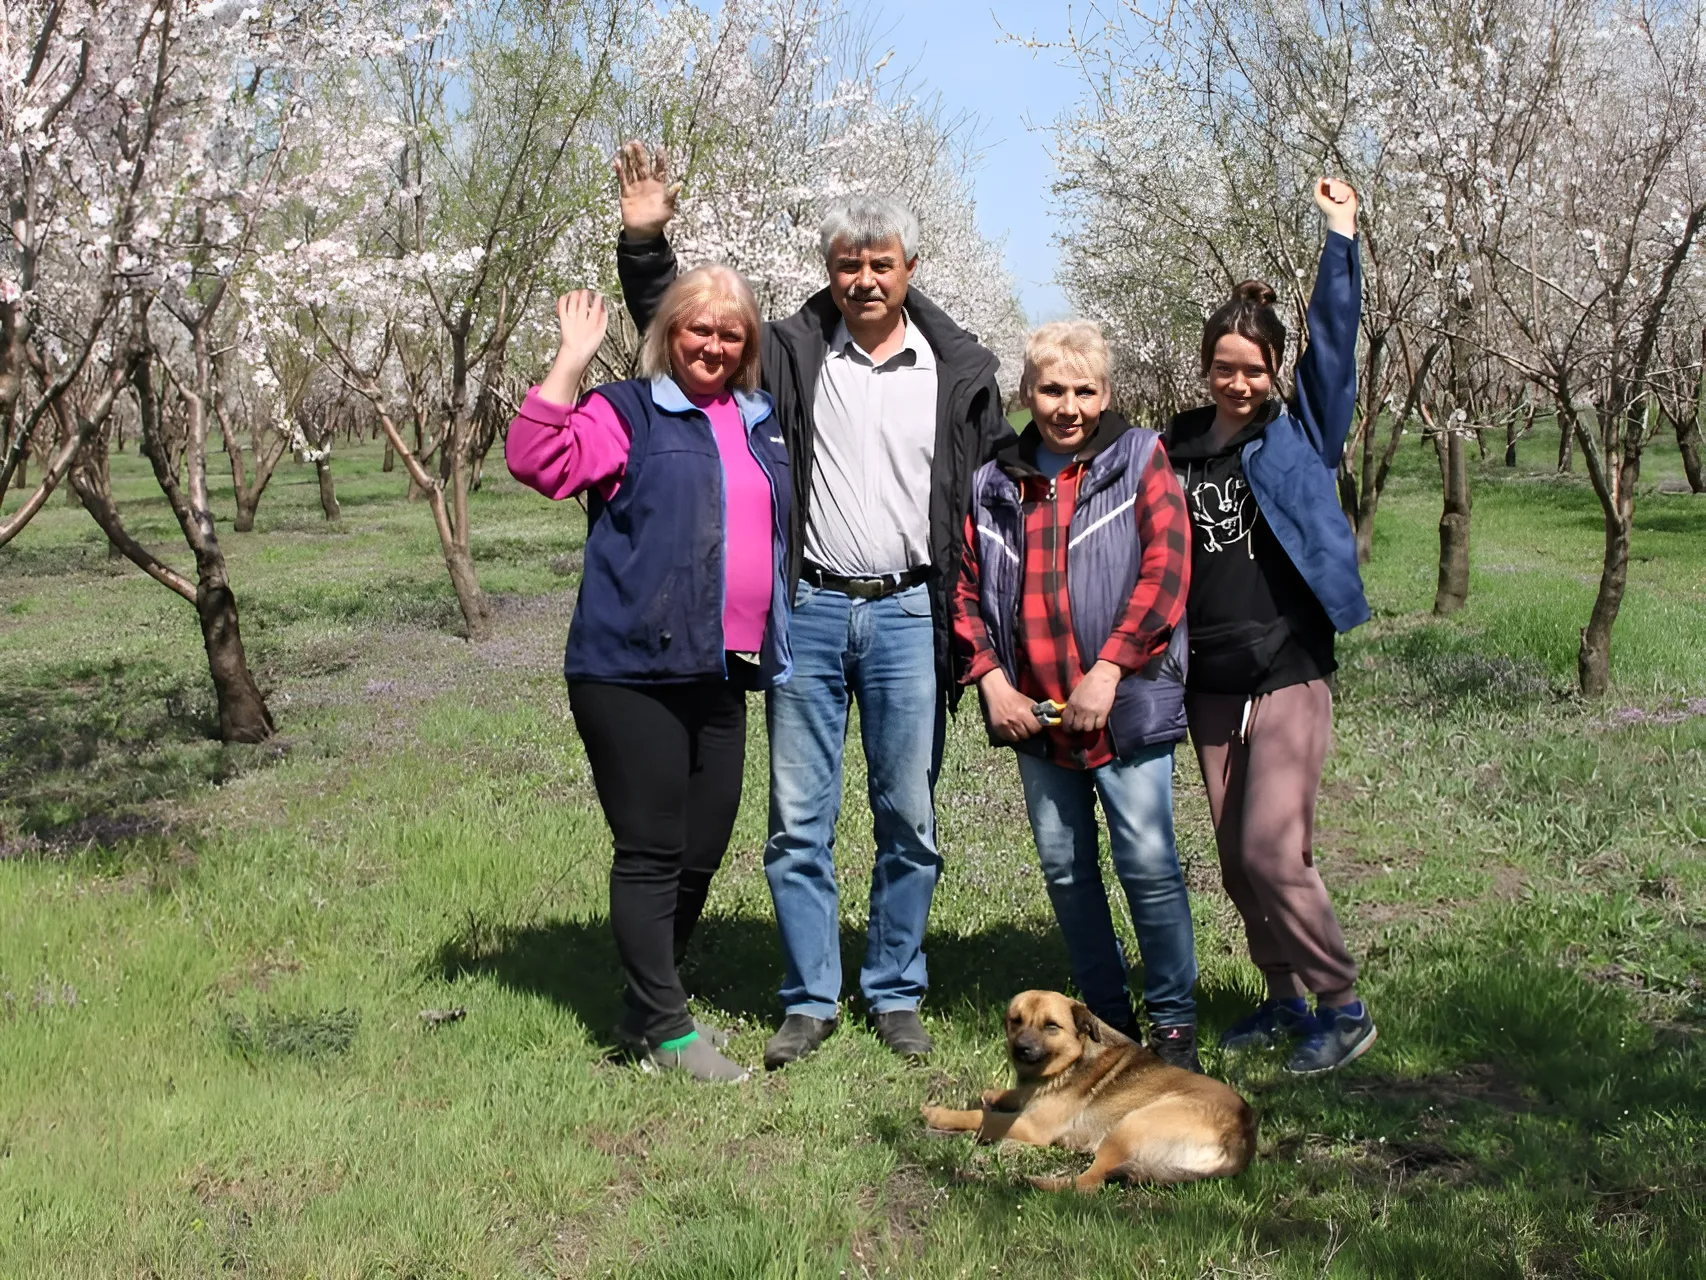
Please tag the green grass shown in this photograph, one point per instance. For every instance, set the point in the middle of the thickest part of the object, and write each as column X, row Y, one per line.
column 213, row 961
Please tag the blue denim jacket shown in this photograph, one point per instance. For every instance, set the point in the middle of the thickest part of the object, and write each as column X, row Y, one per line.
column 1291, row 467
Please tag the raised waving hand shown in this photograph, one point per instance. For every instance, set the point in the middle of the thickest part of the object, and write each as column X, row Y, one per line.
column 581, row 321
column 648, row 197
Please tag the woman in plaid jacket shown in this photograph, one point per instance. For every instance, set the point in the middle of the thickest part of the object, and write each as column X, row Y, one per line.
column 1071, row 604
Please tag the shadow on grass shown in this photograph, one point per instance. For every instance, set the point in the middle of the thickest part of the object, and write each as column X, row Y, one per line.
column 82, row 744
column 735, row 964
column 1440, row 668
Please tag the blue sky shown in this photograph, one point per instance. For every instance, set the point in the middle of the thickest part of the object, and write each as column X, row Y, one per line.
column 957, row 49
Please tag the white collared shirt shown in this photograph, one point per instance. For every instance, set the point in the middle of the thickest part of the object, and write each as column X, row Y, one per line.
column 876, row 440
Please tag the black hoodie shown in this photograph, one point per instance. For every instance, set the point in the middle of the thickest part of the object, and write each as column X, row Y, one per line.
column 1255, row 625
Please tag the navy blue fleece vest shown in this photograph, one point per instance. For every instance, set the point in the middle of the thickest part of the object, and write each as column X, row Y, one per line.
column 1103, row 556
column 651, row 598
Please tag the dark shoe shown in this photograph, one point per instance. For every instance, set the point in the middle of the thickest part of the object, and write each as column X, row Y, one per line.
column 1177, row 1046
column 1340, row 1035
column 698, row 1059
column 799, row 1034
column 1275, row 1022
column 901, row 1031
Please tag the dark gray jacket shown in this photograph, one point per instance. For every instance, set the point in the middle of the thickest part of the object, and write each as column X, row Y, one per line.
column 1103, row 558
column 970, row 426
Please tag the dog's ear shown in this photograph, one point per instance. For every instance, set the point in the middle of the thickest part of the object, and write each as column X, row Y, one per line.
column 1088, row 1024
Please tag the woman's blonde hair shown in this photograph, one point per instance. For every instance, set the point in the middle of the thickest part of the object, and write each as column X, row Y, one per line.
column 1073, row 342
column 721, row 287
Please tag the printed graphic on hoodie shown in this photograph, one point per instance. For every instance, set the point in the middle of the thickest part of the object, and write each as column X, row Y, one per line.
column 1224, row 511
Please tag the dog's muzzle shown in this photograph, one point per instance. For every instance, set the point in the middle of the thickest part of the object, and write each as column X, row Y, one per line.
column 1028, row 1050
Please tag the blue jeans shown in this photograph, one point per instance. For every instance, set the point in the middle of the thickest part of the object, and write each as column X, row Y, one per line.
column 1137, row 797
column 880, row 653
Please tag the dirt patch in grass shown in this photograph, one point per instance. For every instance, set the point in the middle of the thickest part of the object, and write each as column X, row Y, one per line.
column 1379, row 1160
column 257, row 972
column 1478, row 1083
column 577, row 1240
column 894, row 1219
column 634, row 1144
column 243, row 1197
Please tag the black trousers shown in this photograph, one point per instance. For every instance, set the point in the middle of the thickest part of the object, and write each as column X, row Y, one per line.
column 667, row 761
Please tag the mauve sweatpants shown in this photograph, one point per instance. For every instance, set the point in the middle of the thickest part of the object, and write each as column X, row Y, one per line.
column 1261, row 794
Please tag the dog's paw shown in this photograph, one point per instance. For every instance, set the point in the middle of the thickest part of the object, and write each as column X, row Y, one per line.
column 1052, row 1184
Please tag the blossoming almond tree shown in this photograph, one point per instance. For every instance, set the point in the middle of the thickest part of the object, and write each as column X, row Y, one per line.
column 783, row 107
column 1589, row 251
column 1531, row 178
column 154, row 143
column 480, row 160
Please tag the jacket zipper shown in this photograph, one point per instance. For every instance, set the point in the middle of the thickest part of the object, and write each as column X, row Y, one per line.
column 777, row 550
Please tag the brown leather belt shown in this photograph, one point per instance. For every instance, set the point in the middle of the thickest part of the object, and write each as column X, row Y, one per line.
column 873, row 588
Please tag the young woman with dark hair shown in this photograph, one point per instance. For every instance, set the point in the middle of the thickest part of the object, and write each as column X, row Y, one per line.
column 1273, row 578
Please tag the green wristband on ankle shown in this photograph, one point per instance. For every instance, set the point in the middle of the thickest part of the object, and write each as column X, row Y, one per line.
column 679, row 1043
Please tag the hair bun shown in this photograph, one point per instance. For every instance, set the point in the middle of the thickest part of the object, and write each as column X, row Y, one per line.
column 1256, row 291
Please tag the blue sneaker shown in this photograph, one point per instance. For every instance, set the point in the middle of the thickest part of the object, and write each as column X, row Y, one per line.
column 1273, row 1023
column 1340, row 1035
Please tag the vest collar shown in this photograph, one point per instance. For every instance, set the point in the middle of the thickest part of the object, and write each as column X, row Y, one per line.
column 754, row 406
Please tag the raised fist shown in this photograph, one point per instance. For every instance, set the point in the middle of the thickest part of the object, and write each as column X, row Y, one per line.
column 648, row 198
column 1338, row 200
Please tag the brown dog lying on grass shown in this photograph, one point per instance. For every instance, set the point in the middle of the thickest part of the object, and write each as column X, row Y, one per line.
column 1086, row 1087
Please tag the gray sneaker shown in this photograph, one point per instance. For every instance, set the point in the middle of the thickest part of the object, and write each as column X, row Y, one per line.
column 1338, row 1036
column 698, row 1059
column 632, row 1043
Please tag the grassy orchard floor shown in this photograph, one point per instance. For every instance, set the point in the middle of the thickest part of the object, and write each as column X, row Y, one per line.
column 213, row 961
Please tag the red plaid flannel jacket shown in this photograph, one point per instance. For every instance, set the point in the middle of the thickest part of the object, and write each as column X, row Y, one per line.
column 1050, row 665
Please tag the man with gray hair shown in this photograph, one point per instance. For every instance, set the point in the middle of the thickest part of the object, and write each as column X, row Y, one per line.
column 887, row 407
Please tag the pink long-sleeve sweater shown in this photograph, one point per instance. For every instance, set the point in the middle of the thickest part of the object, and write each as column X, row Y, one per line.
column 562, row 450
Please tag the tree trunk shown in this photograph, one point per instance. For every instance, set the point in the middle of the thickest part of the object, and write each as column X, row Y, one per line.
column 328, row 499
column 1688, row 432
column 1615, row 469
column 243, row 714
column 265, row 455
column 100, row 507
column 92, row 485
column 390, row 462
column 1374, row 475
column 1688, row 444
column 476, row 611
column 1593, row 659
column 452, row 531
column 1566, row 446
column 1453, row 587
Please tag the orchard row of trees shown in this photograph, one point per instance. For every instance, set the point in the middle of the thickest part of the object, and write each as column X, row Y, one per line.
column 1533, row 179
column 267, row 223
